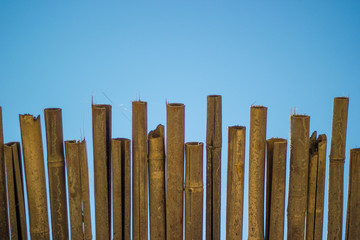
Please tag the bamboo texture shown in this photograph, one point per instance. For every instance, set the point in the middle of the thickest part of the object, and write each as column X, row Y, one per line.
column 126, row 173
column 235, row 182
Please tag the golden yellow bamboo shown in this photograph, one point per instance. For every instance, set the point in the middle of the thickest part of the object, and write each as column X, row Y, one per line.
column 175, row 131
column 213, row 167
column 235, row 182
column 193, row 191
column 336, row 171
column 353, row 208
column 258, row 116
column 35, row 176
column 157, row 183
column 275, row 188
column 4, row 224
column 56, row 172
column 140, row 170
column 298, row 182
column 101, row 116
column 74, row 188
column 126, row 200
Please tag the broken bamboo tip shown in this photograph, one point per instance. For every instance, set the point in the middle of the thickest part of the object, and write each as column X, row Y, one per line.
column 158, row 132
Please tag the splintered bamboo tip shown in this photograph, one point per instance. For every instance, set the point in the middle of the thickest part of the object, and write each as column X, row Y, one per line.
column 29, row 117
column 158, row 132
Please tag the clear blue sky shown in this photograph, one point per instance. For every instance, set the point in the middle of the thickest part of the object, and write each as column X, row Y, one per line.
column 282, row 54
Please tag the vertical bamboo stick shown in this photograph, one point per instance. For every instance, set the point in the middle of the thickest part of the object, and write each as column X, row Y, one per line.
column 194, row 191
column 74, row 187
column 235, row 182
column 56, row 172
column 175, row 132
column 336, row 172
column 4, row 224
column 84, row 179
column 275, row 193
column 140, row 203
column 157, row 183
column 101, row 115
column 35, row 176
column 299, row 165
column 213, row 167
column 353, row 209
column 257, row 171
column 126, row 199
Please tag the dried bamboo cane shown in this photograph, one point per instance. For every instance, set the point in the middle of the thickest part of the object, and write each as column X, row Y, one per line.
column 157, row 183
column 126, row 198
column 235, row 182
column 140, row 177
column 175, row 121
column 35, row 176
column 194, row 191
column 74, row 187
column 101, row 115
column 353, row 210
column 336, row 171
column 4, row 224
column 275, row 193
column 84, row 179
column 14, row 147
column 257, row 171
column 299, row 165
column 56, row 172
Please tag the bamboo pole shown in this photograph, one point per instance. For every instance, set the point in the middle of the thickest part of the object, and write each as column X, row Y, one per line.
column 56, row 172
column 101, row 115
column 299, row 165
column 4, row 224
column 257, row 171
column 275, row 191
column 175, row 132
column 157, row 183
column 213, row 167
column 336, row 172
column 235, row 182
column 85, row 195
column 140, row 184
column 35, row 176
column 194, row 191
column 353, row 208
column 126, row 173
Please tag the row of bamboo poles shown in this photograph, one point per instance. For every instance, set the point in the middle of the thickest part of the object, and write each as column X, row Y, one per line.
column 158, row 179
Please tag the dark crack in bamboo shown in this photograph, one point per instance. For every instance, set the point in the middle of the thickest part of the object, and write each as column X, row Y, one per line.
column 101, row 117
column 35, row 176
column 298, row 180
column 193, row 191
column 56, row 172
column 258, row 116
column 157, row 183
column 235, row 182
column 213, row 167
column 336, row 171
column 175, row 133
column 275, row 188
column 353, row 207
column 140, row 170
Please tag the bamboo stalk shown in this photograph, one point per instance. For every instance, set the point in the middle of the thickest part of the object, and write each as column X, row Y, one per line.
column 126, row 199
column 35, row 176
column 213, row 167
column 56, row 172
column 194, row 191
column 101, row 115
column 336, row 172
column 235, row 182
column 85, row 195
column 157, row 183
column 74, row 187
column 257, row 171
column 4, row 224
column 116, row 159
column 353, row 209
column 275, row 193
column 140, row 203
column 175, row 121
column 299, row 165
